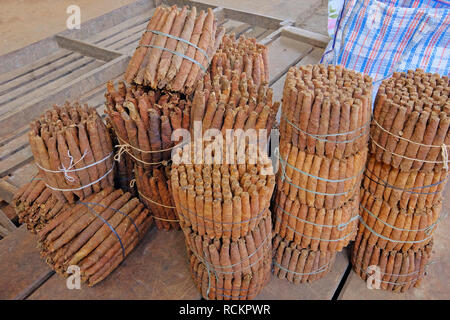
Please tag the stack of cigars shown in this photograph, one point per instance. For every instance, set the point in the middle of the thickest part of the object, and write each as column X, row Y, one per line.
column 322, row 154
column 73, row 150
column 224, row 214
column 175, row 50
column 143, row 121
column 401, row 193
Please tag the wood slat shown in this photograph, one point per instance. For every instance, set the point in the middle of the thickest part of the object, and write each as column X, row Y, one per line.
column 157, row 269
column 21, row 266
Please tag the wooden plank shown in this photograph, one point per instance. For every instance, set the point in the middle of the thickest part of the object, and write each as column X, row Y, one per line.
column 435, row 285
column 15, row 161
column 4, row 232
column 22, row 175
column 32, row 69
column 6, row 223
column 13, row 146
column 302, row 35
column 323, row 289
column 283, row 53
column 157, row 269
column 58, row 93
column 21, row 266
column 7, row 191
column 311, row 58
column 87, row 49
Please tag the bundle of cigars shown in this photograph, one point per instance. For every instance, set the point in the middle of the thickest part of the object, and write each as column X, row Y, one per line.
column 322, row 154
column 298, row 264
column 95, row 234
column 231, row 269
column 35, row 204
column 399, row 270
column 143, row 121
column 175, row 49
column 73, row 150
column 407, row 170
column 225, row 207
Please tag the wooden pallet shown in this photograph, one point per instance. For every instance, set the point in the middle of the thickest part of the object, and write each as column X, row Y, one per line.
column 74, row 65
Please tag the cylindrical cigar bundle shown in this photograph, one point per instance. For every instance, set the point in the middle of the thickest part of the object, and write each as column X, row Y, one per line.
column 96, row 234
column 317, row 181
column 410, row 127
column 154, row 191
column 233, row 103
column 390, row 269
column 392, row 228
column 410, row 190
column 244, row 56
column 35, row 205
column 231, row 270
column 144, row 120
column 175, row 49
column 326, row 110
column 222, row 201
column 73, row 151
column 312, row 228
column 125, row 166
column 298, row 264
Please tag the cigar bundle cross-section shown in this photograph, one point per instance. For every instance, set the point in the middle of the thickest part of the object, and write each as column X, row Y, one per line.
column 391, row 270
column 410, row 127
column 175, row 49
column 407, row 170
column 95, row 234
column 324, row 129
column 244, row 56
column 221, row 201
column 326, row 110
column 35, row 205
column 73, row 151
column 298, row 264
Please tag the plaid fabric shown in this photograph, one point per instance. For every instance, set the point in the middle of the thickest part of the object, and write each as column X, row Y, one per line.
column 378, row 37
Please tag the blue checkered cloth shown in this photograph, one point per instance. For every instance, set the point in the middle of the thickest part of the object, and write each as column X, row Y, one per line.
column 379, row 37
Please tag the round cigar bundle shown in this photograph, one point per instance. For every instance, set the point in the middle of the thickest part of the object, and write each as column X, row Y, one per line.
column 410, row 126
column 222, row 201
column 244, row 56
column 316, row 181
column 96, row 234
column 392, row 228
column 125, row 166
column 315, row 229
column 143, row 121
column 396, row 271
column 236, row 269
column 234, row 102
column 410, row 190
column 73, row 151
column 154, row 191
column 299, row 265
column 35, row 205
column 326, row 110
column 175, row 49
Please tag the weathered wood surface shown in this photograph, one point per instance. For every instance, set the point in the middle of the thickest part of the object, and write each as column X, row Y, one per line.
column 21, row 268
column 157, row 269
